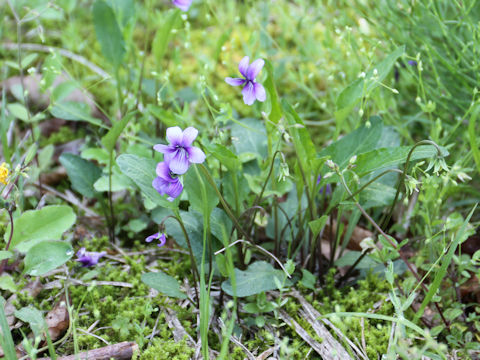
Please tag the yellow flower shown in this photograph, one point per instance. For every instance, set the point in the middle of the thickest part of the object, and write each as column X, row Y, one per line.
column 3, row 173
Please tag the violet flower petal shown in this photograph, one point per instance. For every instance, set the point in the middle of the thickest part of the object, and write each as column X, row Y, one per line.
column 152, row 237
column 160, row 185
column 174, row 189
column 182, row 4
column 189, row 135
column 254, row 69
column 179, row 162
column 259, row 92
column 249, row 94
column 89, row 258
column 163, row 171
column 235, row 81
column 162, row 148
column 162, row 240
column 243, row 66
column 174, row 135
column 196, row 155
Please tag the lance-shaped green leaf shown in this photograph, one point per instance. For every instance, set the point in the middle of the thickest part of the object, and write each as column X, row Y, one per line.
column 110, row 139
column 108, row 33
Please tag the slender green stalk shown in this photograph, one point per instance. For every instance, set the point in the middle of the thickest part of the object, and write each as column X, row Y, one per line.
column 402, row 178
column 196, row 275
column 224, row 203
column 205, row 290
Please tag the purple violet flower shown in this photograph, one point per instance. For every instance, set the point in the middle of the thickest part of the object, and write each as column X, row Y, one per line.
column 182, row 4
column 167, row 182
column 252, row 90
column 328, row 187
column 158, row 236
column 180, row 153
column 412, row 63
column 89, row 258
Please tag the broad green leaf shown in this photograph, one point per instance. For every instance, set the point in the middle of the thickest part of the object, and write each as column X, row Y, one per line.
column 142, row 172
column 62, row 90
column 119, row 182
column 220, row 223
column 28, row 59
column 7, row 283
column 352, row 256
column 110, row 139
column 48, row 223
column 192, row 183
column 361, row 140
column 108, row 33
column 317, row 225
column 225, row 156
column 18, row 111
column 377, row 194
column 164, row 284
column 74, row 111
column 125, row 11
column 250, row 137
column 5, row 254
column 98, row 154
column 47, row 256
column 352, row 94
column 385, row 158
column 257, row 278
column 308, row 279
column 82, row 173
column 163, row 35
column 33, row 317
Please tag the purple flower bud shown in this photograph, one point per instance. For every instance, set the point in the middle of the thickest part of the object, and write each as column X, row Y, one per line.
column 158, row 236
column 180, row 153
column 412, row 63
column 183, row 5
column 251, row 90
column 89, row 258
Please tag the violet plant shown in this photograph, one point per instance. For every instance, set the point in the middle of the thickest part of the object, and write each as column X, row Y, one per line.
column 252, row 90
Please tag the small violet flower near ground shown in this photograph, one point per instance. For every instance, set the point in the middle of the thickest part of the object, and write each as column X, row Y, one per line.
column 158, row 236
column 328, row 187
column 183, row 5
column 3, row 173
column 89, row 258
column 180, row 153
column 251, row 89
column 167, row 182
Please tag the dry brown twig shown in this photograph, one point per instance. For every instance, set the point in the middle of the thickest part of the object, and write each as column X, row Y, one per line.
column 120, row 351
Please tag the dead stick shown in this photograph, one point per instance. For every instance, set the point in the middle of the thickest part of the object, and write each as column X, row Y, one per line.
column 120, row 351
